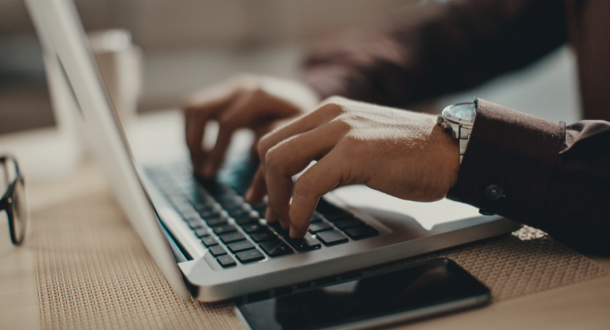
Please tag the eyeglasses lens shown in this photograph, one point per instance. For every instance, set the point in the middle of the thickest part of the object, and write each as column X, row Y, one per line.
column 17, row 210
column 19, row 214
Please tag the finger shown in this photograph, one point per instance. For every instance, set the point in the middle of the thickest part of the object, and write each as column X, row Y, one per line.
column 196, row 114
column 194, row 131
column 303, row 124
column 258, row 188
column 272, row 217
column 216, row 156
column 292, row 156
column 225, row 132
column 261, row 131
column 319, row 179
column 239, row 112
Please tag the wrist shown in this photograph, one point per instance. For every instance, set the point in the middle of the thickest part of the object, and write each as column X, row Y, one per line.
column 449, row 156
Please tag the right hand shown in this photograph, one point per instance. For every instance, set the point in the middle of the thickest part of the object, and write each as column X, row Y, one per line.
column 246, row 101
column 401, row 153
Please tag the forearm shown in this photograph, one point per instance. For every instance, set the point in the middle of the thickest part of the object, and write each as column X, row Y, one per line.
column 438, row 48
column 553, row 177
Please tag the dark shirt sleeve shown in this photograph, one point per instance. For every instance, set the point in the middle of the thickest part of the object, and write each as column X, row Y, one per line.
column 552, row 177
column 438, row 48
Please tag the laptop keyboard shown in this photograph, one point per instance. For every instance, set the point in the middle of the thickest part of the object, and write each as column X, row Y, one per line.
column 235, row 231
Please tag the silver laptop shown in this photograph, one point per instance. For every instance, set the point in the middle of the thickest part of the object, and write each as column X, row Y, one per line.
column 208, row 242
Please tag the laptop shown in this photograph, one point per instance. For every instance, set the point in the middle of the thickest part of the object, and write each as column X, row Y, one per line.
column 209, row 243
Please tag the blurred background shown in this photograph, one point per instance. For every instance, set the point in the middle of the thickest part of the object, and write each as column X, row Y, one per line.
column 187, row 44
column 190, row 44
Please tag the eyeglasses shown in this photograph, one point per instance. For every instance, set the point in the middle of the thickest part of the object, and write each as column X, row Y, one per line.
column 13, row 200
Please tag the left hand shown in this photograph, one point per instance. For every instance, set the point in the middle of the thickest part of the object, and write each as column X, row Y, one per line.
column 401, row 153
column 246, row 101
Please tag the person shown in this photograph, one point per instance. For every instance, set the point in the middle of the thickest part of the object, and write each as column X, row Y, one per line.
column 535, row 171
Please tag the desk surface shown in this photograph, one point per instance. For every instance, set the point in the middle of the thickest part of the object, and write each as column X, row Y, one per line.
column 582, row 305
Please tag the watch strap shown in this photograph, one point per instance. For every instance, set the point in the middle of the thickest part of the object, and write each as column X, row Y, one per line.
column 459, row 131
column 464, row 137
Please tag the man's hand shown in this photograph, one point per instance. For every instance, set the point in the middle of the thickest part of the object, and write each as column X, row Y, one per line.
column 255, row 102
column 401, row 153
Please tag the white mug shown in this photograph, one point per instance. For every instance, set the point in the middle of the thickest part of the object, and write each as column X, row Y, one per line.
column 120, row 64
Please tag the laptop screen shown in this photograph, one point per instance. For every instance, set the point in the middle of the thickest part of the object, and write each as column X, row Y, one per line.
column 63, row 40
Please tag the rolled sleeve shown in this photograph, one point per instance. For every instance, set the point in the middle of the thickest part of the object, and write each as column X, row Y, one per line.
column 540, row 173
column 509, row 162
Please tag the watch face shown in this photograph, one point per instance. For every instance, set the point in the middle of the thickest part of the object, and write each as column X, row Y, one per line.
column 461, row 111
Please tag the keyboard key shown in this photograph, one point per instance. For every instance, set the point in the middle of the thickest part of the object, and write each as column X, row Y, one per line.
column 361, row 232
column 332, row 212
column 195, row 222
column 306, row 243
column 238, row 213
column 335, row 217
column 278, row 228
column 214, row 215
column 209, row 241
column 240, row 246
column 230, row 200
column 202, row 203
column 239, row 210
column 217, row 250
column 211, row 214
column 263, row 236
column 250, row 256
column 319, row 226
column 331, row 237
column 252, row 228
column 232, row 237
column 226, row 261
column 217, row 221
column 315, row 217
column 276, row 248
column 251, row 217
column 209, row 207
column 224, row 229
column 347, row 223
column 202, row 232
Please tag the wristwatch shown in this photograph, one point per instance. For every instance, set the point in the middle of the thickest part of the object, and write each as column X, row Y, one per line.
column 460, row 119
